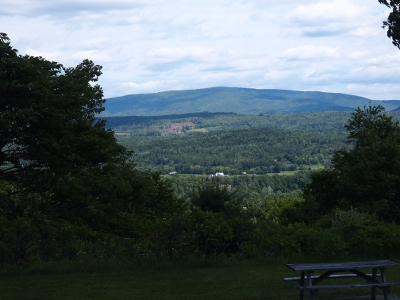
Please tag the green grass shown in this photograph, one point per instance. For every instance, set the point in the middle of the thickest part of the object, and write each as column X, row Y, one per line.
column 317, row 166
column 283, row 173
column 217, row 280
column 198, row 130
column 288, row 173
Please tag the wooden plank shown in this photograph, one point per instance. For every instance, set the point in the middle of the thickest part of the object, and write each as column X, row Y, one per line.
column 322, row 277
column 333, row 276
column 343, row 266
column 367, row 277
column 379, row 297
column 345, row 286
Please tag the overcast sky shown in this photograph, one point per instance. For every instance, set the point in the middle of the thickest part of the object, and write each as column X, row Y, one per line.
column 148, row 46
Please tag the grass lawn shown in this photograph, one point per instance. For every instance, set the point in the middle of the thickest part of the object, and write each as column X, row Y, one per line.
column 218, row 280
column 288, row 173
column 198, row 130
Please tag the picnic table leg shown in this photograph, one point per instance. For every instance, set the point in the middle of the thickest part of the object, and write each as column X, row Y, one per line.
column 373, row 289
column 385, row 289
column 302, row 284
column 309, row 283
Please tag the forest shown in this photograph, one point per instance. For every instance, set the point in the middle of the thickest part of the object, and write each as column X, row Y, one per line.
column 73, row 189
column 255, row 151
column 246, row 148
column 207, row 143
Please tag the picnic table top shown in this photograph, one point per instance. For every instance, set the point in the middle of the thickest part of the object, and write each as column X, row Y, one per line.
column 343, row 266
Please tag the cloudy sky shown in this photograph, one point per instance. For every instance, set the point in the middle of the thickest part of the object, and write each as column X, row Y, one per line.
column 148, row 46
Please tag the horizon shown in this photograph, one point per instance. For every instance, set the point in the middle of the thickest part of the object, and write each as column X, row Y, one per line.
column 235, row 87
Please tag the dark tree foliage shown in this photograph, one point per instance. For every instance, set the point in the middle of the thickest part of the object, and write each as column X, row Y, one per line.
column 214, row 196
column 393, row 21
column 57, row 159
column 48, row 129
column 367, row 174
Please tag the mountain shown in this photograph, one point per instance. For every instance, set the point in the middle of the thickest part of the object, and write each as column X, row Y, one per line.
column 236, row 100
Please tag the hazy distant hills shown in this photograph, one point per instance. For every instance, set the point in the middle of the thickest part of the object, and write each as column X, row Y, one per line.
column 236, row 100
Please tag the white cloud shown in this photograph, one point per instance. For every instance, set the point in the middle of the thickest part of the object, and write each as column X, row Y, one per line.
column 358, row 54
column 376, row 91
column 178, row 53
column 93, row 55
column 168, row 59
column 329, row 18
column 150, row 86
column 97, row 43
column 278, row 75
column 373, row 75
column 52, row 56
column 388, row 60
column 36, row 8
column 323, row 12
column 310, row 52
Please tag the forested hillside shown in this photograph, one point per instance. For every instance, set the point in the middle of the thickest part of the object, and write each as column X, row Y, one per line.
column 204, row 122
column 236, row 100
column 259, row 150
column 207, row 143
column 248, row 148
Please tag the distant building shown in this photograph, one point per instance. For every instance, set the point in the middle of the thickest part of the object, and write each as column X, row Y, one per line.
column 217, row 174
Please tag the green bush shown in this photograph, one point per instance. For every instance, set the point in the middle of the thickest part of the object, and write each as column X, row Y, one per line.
column 377, row 240
column 209, row 233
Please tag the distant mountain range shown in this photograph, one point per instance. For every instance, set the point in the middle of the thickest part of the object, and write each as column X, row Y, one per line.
column 236, row 100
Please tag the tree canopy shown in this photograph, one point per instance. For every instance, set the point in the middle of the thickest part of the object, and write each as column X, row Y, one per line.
column 57, row 159
column 393, row 22
column 365, row 175
column 47, row 118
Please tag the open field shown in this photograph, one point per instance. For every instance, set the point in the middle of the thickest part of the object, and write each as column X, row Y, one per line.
column 217, row 280
column 198, row 130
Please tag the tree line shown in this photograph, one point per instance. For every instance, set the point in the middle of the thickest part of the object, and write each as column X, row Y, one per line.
column 250, row 185
column 325, row 121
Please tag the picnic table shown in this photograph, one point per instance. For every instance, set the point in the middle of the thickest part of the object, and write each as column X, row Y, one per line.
column 311, row 283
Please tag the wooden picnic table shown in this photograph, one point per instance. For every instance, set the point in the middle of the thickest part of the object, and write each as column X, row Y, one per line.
column 311, row 283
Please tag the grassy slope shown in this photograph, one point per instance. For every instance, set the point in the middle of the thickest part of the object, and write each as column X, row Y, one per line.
column 233, row 280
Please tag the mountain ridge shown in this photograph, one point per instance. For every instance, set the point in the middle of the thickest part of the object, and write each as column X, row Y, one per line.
column 236, row 100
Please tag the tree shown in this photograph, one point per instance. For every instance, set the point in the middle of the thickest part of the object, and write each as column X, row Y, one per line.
column 366, row 175
column 214, row 196
column 56, row 151
column 393, row 21
column 65, row 182
column 48, row 127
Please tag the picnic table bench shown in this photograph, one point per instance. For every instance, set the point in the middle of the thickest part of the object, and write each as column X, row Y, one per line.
column 310, row 283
